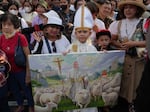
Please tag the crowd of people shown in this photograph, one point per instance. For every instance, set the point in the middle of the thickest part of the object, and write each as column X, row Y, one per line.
column 66, row 26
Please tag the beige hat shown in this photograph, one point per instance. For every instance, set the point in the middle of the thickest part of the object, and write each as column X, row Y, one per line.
column 43, row 3
column 138, row 3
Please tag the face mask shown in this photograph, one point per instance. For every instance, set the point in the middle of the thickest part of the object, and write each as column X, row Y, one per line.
column 14, row 12
column 27, row 9
column 148, row 7
column 63, row 7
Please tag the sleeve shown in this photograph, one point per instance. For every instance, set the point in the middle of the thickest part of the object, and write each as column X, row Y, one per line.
column 24, row 41
column 24, row 23
column 113, row 28
column 67, row 43
column 100, row 24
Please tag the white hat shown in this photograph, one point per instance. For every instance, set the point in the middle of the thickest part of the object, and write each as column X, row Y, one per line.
column 53, row 19
column 83, row 18
column 51, row 13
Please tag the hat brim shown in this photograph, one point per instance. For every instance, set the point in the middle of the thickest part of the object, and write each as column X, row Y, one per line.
column 98, row 34
column 122, row 3
column 61, row 26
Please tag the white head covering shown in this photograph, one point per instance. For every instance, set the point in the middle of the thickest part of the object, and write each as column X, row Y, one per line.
column 53, row 19
column 51, row 13
column 83, row 18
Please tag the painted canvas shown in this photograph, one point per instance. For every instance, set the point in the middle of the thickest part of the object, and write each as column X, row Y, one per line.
column 77, row 80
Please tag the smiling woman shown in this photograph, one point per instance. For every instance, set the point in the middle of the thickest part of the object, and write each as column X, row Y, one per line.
column 104, row 11
column 127, row 34
column 53, row 41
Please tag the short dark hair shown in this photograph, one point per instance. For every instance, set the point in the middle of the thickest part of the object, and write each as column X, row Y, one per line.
column 13, row 18
column 93, row 7
column 101, row 2
column 103, row 32
column 75, row 4
column 13, row 3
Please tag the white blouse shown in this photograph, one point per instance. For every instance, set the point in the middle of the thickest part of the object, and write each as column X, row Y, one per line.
column 127, row 28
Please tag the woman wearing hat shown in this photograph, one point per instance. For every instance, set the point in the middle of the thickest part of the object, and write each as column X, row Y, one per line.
column 127, row 35
column 52, row 41
column 40, row 8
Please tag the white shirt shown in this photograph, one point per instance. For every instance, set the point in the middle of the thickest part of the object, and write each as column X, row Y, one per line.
column 28, row 16
column 127, row 27
column 24, row 23
column 61, row 45
column 100, row 24
column 81, row 47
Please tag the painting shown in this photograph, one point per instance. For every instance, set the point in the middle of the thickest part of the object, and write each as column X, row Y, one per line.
column 76, row 80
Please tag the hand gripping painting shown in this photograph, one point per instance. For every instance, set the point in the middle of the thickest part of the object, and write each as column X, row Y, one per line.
column 74, row 81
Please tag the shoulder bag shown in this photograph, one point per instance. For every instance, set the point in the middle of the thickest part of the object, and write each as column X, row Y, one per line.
column 20, row 58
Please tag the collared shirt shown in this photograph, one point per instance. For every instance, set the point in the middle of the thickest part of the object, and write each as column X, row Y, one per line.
column 60, row 44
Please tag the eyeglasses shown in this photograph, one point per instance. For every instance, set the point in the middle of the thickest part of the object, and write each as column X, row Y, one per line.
column 54, row 47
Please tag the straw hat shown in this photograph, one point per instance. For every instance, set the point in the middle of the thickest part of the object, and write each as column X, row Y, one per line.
column 138, row 3
column 43, row 3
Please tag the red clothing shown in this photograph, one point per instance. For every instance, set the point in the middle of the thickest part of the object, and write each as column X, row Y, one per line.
column 8, row 46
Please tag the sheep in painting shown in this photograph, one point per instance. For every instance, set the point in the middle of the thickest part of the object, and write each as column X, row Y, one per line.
column 82, row 98
column 49, row 107
column 50, row 97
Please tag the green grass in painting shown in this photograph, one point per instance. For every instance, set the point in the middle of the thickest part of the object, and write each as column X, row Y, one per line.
column 67, row 104
column 35, row 83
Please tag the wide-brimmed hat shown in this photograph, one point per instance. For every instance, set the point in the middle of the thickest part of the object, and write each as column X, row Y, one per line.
column 138, row 3
column 53, row 19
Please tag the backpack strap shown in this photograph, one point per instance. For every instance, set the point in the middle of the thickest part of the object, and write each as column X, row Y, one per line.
column 119, row 26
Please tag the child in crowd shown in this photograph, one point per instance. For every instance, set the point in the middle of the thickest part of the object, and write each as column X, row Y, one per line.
column 103, row 38
column 83, row 27
column 82, row 32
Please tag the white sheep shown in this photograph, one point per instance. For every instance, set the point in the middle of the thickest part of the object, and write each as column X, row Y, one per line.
column 109, row 98
column 36, row 96
column 49, row 107
column 111, row 89
column 82, row 98
column 50, row 97
column 96, row 91
column 115, row 82
column 39, row 91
